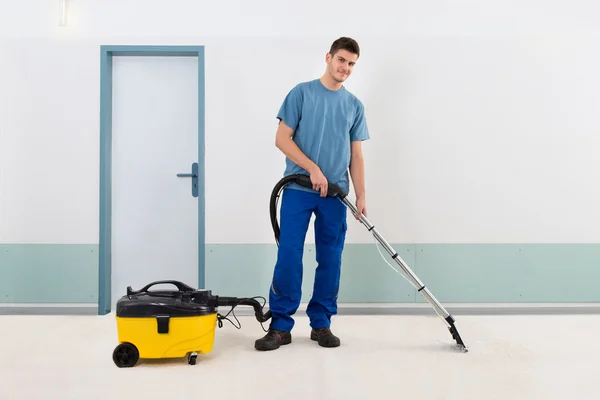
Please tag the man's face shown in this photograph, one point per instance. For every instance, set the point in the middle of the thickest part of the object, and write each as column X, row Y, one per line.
column 341, row 64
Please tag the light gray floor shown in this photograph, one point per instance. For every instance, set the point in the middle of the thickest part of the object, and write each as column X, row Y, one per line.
column 381, row 357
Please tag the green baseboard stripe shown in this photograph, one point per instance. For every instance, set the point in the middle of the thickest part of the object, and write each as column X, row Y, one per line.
column 49, row 273
column 454, row 273
column 511, row 273
column 67, row 274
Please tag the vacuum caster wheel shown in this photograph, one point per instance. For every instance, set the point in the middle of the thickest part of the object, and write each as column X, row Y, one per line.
column 126, row 355
column 192, row 358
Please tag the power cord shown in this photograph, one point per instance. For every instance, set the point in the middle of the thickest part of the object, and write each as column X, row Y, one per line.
column 220, row 317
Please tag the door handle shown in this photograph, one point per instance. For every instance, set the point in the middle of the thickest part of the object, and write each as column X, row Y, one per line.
column 194, row 176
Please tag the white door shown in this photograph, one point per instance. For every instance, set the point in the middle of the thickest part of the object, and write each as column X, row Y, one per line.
column 154, row 138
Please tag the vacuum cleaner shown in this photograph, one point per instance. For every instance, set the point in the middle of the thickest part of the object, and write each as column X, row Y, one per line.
column 335, row 191
column 177, row 323
column 155, row 324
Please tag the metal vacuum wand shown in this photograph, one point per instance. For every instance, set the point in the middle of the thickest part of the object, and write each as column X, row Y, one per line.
column 335, row 191
column 421, row 288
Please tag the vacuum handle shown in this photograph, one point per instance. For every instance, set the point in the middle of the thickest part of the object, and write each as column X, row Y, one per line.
column 333, row 190
column 180, row 285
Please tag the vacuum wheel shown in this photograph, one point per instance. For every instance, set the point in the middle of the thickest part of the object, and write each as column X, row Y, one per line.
column 192, row 358
column 126, row 355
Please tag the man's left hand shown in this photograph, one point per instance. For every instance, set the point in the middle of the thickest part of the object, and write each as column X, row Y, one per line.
column 361, row 207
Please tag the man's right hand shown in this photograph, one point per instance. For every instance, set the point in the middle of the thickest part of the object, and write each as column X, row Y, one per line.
column 319, row 181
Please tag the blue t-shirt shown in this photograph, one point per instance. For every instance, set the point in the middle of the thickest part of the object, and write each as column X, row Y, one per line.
column 325, row 122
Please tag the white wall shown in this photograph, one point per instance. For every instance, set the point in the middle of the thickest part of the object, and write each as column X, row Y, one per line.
column 483, row 116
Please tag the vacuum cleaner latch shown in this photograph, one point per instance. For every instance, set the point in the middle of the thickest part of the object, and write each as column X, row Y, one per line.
column 163, row 323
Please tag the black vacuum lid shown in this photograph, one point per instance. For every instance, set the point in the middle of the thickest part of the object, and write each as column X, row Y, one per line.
column 176, row 303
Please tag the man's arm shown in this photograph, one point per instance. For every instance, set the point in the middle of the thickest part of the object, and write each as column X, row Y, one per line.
column 357, row 172
column 284, row 142
column 357, row 169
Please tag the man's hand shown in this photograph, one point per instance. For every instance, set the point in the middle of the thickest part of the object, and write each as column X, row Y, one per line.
column 361, row 206
column 319, row 181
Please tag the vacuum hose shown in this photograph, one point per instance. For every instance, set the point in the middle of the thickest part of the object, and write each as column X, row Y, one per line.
column 237, row 301
column 302, row 180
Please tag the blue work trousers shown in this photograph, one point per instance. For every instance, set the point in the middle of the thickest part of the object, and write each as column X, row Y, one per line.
column 297, row 207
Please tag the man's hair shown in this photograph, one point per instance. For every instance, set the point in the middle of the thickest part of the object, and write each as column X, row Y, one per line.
column 345, row 43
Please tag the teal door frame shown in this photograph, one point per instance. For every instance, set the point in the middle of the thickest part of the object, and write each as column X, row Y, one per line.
column 106, row 83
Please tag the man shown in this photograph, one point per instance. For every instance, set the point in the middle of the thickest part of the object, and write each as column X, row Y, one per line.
column 321, row 126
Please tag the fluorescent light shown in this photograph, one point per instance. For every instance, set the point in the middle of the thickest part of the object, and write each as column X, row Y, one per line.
column 62, row 12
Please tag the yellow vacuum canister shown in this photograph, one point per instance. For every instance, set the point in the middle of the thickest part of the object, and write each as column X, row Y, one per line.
column 170, row 323
column 164, row 324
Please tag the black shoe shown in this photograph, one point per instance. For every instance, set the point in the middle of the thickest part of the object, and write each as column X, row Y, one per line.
column 272, row 340
column 324, row 337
